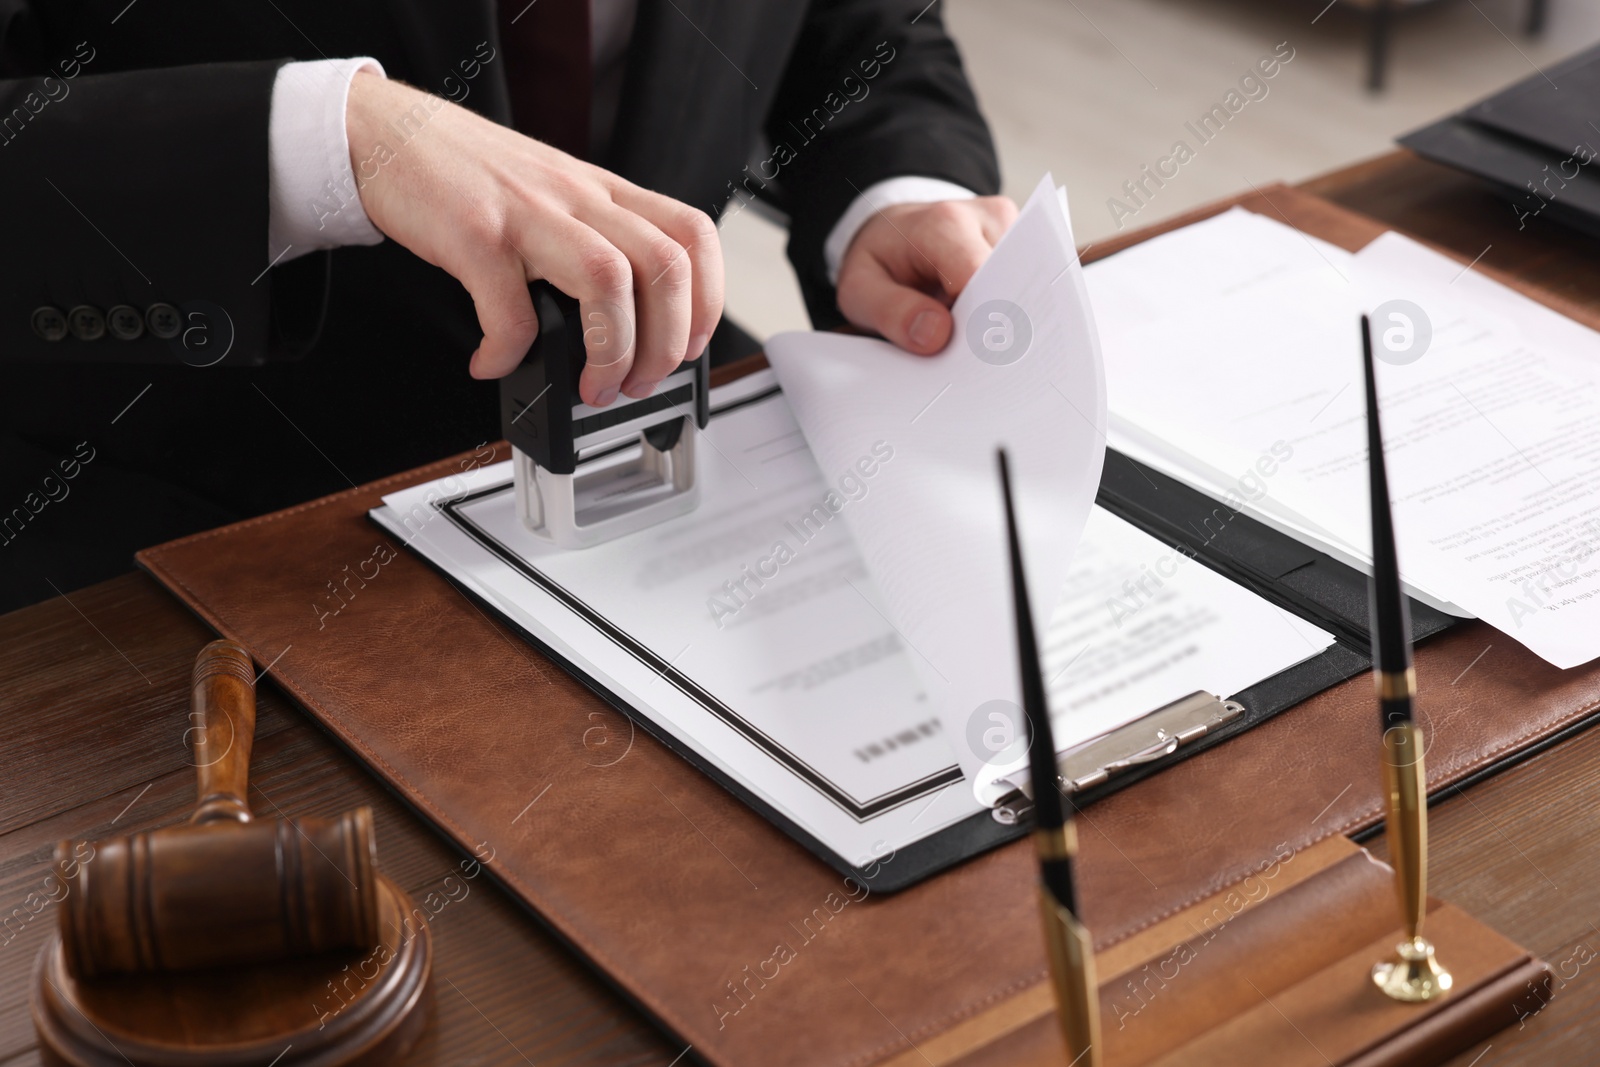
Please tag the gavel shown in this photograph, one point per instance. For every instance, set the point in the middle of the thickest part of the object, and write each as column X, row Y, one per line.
column 225, row 888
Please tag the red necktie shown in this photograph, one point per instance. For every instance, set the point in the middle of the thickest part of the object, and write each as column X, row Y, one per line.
column 549, row 70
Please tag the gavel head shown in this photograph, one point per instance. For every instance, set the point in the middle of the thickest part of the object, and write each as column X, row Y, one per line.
column 223, row 889
column 218, row 894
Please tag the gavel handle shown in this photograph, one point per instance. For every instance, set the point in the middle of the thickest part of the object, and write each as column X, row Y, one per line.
column 222, row 725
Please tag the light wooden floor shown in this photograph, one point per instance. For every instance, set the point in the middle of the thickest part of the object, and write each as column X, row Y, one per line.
column 1092, row 90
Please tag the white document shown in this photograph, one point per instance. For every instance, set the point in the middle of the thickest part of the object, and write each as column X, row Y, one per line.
column 1493, row 443
column 745, row 629
column 1245, row 374
column 751, row 631
column 1210, row 333
column 1138, row 624
column 1022, row 370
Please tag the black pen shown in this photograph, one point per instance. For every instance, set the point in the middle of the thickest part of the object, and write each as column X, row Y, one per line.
column 1413, row 975
column 1070, row 948
column 1391, row 614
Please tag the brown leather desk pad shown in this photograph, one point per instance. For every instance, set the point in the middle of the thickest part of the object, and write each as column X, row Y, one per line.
column 715, row 922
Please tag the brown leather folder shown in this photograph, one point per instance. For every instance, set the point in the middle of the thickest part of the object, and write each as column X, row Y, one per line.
column 720, row 926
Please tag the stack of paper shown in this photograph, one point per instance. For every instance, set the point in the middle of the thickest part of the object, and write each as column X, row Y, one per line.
column 1233, row 361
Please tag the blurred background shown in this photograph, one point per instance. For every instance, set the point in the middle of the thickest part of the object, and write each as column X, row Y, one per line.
column 1094, row 90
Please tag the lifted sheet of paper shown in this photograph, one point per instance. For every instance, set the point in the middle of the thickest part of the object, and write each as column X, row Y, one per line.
column 1022, row 370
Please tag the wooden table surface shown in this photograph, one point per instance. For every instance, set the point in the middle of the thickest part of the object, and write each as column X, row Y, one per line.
column 94, row 703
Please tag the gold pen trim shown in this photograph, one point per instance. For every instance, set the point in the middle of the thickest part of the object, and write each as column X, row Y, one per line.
column 1407, row 828
column 1413, row 975
column 1396, row 685
column 1072, row 972
column 1059, row 844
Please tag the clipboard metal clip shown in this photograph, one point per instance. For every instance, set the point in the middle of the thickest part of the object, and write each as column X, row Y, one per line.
column 1145, row 740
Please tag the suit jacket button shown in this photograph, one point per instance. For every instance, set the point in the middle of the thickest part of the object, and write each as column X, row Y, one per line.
column 125, row 323
column 49, row 324
column 163, row 320
column 86, row 323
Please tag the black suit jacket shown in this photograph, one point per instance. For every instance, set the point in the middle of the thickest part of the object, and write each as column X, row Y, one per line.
column 133, row 170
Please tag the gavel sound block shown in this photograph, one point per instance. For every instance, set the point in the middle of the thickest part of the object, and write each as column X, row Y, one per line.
column 231, row 940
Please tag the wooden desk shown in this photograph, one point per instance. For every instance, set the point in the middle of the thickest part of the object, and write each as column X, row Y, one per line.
column 93, row 708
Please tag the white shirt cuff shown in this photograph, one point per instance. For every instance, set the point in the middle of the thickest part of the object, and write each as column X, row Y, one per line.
column 876, row 197
column 314, row 202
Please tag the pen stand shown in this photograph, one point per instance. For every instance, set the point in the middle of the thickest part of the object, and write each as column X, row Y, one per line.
column 1273, row 969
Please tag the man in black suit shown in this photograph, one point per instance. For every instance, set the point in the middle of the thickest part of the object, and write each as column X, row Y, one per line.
column 178, row 333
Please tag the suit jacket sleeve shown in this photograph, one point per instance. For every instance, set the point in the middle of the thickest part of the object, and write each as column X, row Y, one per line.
column 874, row 89
column 142, row 190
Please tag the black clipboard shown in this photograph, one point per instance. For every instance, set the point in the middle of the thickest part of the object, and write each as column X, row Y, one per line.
column 1297, row 578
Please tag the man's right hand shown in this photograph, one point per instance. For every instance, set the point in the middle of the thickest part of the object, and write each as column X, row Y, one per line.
column 497, row 210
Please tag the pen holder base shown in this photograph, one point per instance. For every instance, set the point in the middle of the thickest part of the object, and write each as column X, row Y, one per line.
column 1276, row 968
column 1413, row 976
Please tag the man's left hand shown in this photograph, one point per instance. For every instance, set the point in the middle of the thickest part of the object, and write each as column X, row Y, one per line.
column 906, row 266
